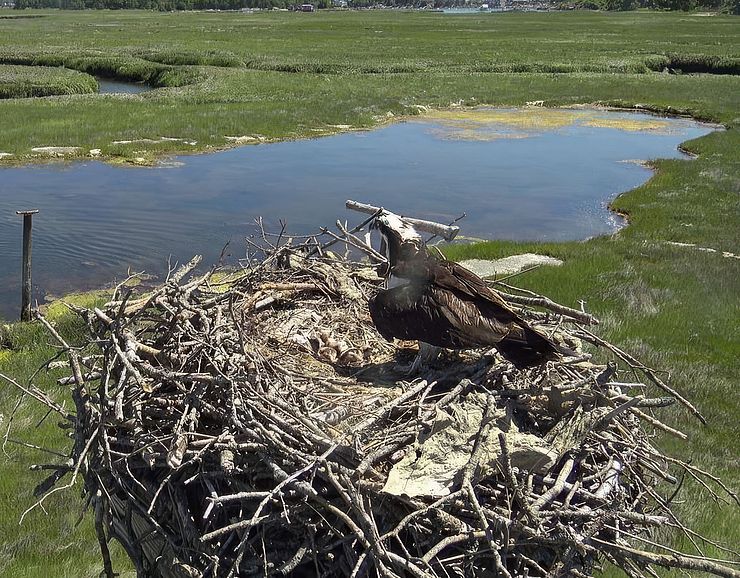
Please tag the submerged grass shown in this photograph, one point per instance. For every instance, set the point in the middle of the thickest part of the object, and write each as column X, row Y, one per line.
column 483, row 123
column 283, row 76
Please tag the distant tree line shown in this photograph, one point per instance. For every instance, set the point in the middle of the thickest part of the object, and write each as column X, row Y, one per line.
column 164, row 5
column 731, row 6
column 727, row 6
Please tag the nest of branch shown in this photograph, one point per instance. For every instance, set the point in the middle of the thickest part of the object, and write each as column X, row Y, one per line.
column 260, row 426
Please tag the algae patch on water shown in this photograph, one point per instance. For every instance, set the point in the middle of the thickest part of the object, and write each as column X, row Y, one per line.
column 484, row 124
column 630, row 124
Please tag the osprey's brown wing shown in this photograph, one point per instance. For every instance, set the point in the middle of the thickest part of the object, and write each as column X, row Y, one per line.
column 480, row 317
column 454, row 308
column 407, row 312
column 455, row 277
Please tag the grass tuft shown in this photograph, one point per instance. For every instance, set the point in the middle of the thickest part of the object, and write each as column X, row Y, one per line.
column 30, row 81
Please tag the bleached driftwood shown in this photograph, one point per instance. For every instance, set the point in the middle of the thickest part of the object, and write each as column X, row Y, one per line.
column 447, row 232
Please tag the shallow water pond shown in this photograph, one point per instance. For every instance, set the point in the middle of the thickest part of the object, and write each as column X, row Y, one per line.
column 518, row 174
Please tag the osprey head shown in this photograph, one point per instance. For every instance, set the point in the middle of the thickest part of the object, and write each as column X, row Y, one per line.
column 401, row 243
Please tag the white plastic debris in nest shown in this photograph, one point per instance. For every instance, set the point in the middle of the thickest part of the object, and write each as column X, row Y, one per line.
column 431, row 467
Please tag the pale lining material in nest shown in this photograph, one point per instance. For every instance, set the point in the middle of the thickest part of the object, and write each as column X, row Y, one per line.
column 258, row 428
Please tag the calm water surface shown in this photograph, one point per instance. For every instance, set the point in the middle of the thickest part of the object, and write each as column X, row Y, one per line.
column 514, row 179
column 109, row 86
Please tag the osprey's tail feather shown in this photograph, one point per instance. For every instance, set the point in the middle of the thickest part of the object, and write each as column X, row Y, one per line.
column 527, row 348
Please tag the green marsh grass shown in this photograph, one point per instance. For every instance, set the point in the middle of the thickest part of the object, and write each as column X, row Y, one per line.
column 52, row 541
column 282, row 76
column 32, row 81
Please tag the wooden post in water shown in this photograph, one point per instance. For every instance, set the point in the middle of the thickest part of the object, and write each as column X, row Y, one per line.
column 26, row 289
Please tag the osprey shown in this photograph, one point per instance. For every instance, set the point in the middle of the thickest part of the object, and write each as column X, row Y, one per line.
column 446, row 305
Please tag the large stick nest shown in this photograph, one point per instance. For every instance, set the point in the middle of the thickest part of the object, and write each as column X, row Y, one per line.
column 260, row 426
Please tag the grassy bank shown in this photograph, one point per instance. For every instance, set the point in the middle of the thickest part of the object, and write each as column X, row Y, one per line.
column 31, row 81
column 287, row 75
column 53, row 541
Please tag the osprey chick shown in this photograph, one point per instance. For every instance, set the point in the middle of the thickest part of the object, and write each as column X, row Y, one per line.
column 446, row 305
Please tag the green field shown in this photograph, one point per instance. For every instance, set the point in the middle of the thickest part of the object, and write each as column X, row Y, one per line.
column 285, row 75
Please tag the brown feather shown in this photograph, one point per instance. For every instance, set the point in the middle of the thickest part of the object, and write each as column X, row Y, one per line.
column 449, row 306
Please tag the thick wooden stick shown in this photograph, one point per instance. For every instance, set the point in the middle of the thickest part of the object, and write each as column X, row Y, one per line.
column 671, row 560
column 447, row 232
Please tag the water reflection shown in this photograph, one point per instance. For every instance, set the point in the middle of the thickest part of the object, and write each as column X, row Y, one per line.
column 516, row 179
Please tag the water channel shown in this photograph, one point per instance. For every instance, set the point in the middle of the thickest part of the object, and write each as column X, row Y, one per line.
column 111, row 86
column 543, row 175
